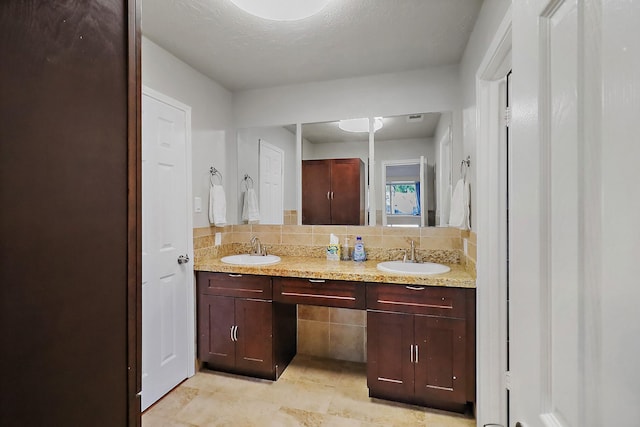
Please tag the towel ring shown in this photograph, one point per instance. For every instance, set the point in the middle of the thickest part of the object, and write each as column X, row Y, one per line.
column 464, row 166
column 246, row 180
column 214, row 172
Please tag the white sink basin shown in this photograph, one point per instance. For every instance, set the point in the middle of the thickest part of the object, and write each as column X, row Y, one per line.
column 415, row 269
column 245, row 259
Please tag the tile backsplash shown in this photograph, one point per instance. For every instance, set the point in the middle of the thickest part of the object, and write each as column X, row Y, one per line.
column 382, row 243
column 330, row 332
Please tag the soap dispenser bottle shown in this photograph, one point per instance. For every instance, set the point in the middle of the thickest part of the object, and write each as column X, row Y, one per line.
column 359, row 254
column 346, row 256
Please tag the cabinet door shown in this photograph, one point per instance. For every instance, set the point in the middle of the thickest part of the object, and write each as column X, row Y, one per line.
column 346, row 193
column 389, row 355
column 440, row 362
column 215, row 335
column 316, row 190
column 254, row 348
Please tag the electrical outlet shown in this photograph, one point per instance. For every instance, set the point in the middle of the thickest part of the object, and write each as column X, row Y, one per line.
column 197, row 204
column 218, row 239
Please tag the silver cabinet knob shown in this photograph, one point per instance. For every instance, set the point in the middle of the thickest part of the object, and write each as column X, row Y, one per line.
column 183, row 259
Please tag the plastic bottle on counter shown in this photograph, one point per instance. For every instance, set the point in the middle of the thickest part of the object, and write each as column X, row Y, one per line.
column 346, row 256
column 359, row 253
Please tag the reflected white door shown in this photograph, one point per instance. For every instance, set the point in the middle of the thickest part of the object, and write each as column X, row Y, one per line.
column 445, row 186
column 573, row 269
column 271, row 184
column 166, row 332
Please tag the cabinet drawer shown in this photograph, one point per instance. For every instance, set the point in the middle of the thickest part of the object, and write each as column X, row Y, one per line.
column 417, row 299
column 234, row 285
column 332, row 293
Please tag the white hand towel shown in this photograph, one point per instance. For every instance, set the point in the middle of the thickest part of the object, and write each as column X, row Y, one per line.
column 459, row 214
column 250, row 207
column 217, row 206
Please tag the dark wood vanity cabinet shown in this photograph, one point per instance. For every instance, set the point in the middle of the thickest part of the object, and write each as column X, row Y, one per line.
column 332, row 293
column 240, row 328
column 420, row 345
column 333, row 191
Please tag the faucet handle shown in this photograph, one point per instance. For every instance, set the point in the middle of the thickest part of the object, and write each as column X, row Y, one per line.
column 404, row 258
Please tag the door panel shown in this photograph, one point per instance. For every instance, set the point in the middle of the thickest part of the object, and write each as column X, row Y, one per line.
column 561, row 288
column 254, row 350
column 389, row 354
column 164, row 238
column 316, row 185
column 554, row 240
column 216, row 319
column 345, row 191
column 271, row 184
column 440, row 366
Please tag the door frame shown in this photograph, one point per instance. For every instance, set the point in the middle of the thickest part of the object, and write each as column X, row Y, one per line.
column 190, row 286
column 492, row 379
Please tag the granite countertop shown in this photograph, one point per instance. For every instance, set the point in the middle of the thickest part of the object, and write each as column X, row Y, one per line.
column 320, row 268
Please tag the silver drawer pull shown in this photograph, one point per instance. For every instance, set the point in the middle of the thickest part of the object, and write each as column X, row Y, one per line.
column 317, row 280
column 235, row 275
column 415, row 288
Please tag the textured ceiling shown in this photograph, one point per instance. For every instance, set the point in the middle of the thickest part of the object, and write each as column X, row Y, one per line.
column 348, row 38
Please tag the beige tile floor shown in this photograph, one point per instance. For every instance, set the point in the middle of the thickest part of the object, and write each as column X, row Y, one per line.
column 311, row 392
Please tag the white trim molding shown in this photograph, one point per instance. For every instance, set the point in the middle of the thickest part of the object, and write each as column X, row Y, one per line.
column 491, row 228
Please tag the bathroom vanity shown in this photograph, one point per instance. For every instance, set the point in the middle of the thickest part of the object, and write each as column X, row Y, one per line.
column 420, row 330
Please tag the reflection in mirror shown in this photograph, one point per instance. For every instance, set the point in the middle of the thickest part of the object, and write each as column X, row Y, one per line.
column 414, row 136
column 404, row 195
column 267, row 158
column 333, row 174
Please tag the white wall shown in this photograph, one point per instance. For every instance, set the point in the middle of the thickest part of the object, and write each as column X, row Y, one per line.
column 427, row 90
column 248, row 160
column 490, row 17
column 211, row 120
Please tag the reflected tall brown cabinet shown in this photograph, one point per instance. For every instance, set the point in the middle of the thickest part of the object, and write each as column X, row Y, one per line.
column 333, row 192
column 70, row 216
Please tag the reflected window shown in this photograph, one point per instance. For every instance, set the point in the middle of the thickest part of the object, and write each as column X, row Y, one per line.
column 402, row 198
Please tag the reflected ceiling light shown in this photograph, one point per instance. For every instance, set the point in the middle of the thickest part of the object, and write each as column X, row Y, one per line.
column 360, row 125
column 281, row 10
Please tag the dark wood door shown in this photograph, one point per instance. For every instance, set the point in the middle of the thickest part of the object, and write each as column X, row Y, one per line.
column 216, row 342
column 346, row 192
column 390, row 370
column 316, row 191
column 69, row 220
column 440, row 367
column 254, row 346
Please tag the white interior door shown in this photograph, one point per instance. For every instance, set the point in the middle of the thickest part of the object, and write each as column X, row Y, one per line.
column 167, row 313
column 573, row 271
column 271, row 184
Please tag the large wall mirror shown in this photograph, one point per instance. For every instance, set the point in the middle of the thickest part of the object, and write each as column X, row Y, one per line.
column 339, row 174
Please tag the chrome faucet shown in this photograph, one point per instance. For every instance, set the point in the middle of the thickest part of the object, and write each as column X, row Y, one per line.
column 413, row 253
column 256, row 246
